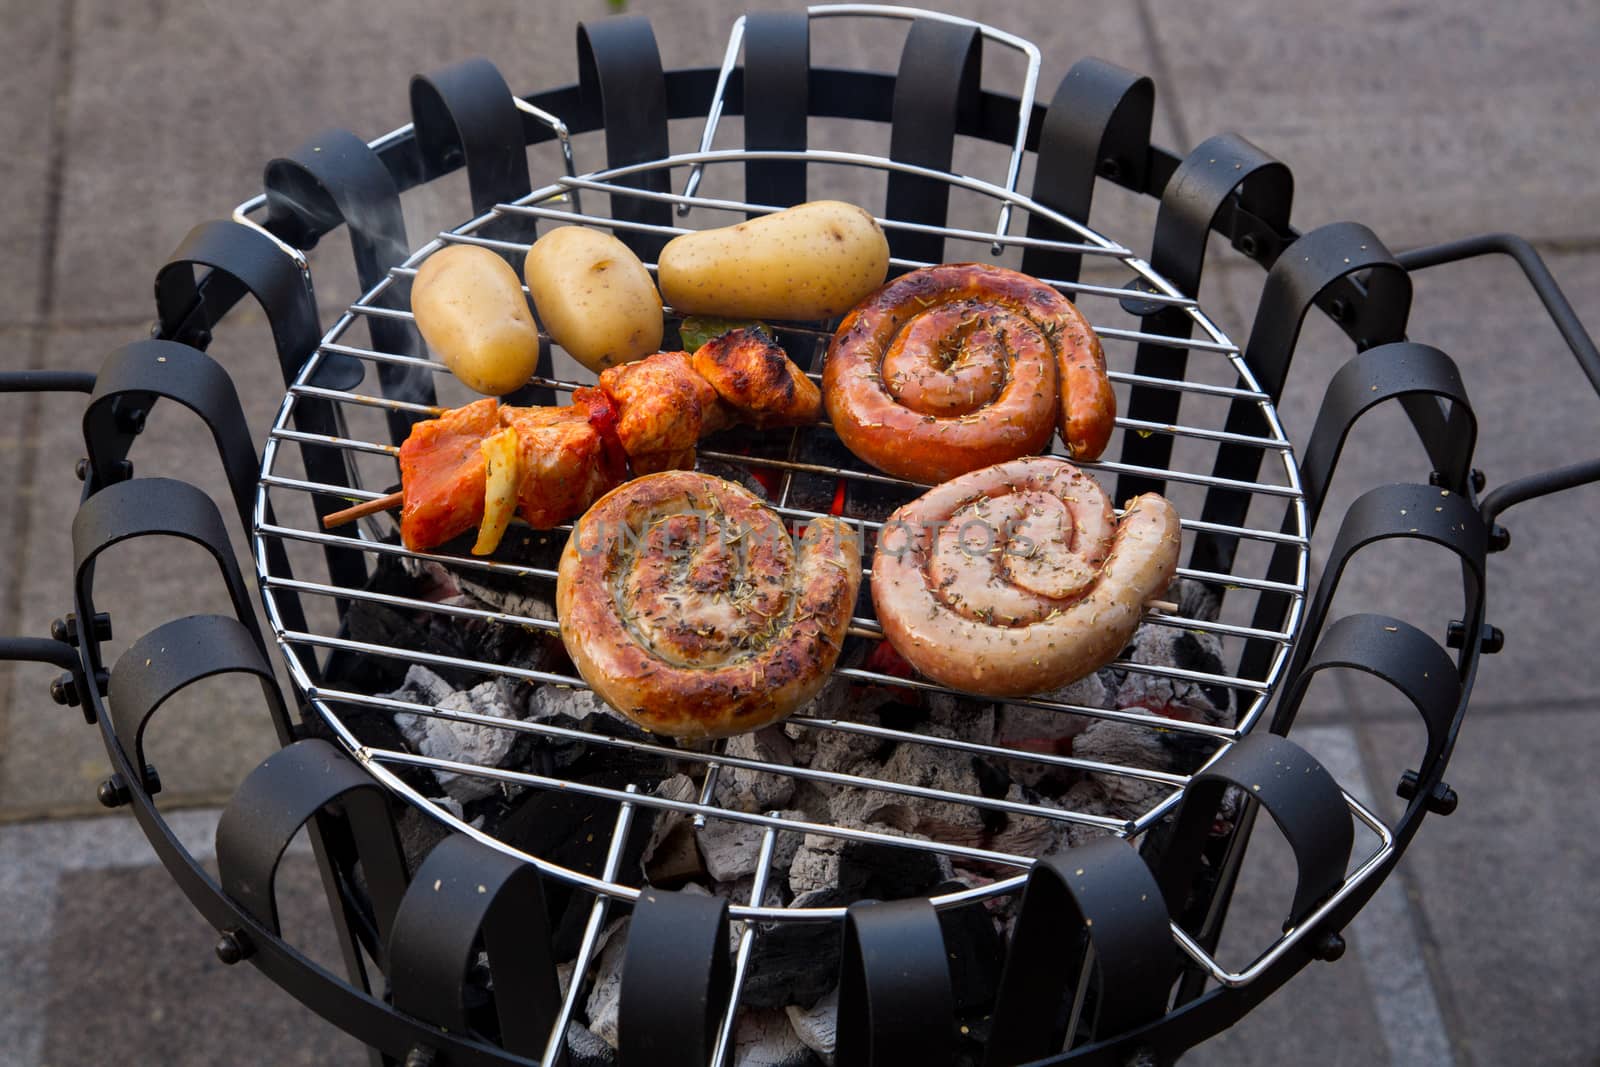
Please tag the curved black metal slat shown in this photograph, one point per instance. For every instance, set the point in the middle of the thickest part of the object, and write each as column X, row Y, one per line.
column 1406, row 371
column 1222, row 180
column 1395, row 651
column 895, row 1000
column 334, row 178
column 1421, row 512
column 242, row 259
column 129, row 382
column 777, row 100
column 370, row 1019
column 1100, row 894
column 1098, row 123
column 1299, row 794
column 623, row 90
column 936, row 89
column 1420, row 377
column 465, row 893
column 1307, row 272
column 676, row 976
column 174, row 656
column 465, row 115
column 279, row 797
column 143, row 507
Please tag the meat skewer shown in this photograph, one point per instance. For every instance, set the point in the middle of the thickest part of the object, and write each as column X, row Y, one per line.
column 476, row 465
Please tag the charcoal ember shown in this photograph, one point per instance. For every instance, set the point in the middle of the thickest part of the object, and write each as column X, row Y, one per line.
column 732, row 850
column 1042, row 730
column 1172, row 646
column 671, row 856
column 840, row 751
column 736, row 441
column 963, row 718
column 1120, row 796
column 574, row 830
column 872, row 809
column 584, row 1049
column 817, row 1027
column 580, row 709
column 866, row 869
column 455, row 739
column 974, row 949
column 741, row 789
column 762, row 1037
column 1029, row 835
column 948, row 770
column 419, row 832
column 605, row 994
column 517, row 599
column 795, row 962
column 741, row 890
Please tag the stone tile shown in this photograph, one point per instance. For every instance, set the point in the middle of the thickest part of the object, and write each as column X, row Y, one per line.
column 30, row 66
column 1505, row 883
column 1424, row 122
column 102, row 951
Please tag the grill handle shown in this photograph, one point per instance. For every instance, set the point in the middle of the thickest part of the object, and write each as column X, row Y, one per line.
column 1566, row 322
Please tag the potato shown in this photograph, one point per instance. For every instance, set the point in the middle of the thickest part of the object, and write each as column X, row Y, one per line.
column 812, row 261
column 594, row 296
column 471, row 311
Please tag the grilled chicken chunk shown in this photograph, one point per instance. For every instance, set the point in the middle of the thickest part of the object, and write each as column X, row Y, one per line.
column 757, row 381
column 666, row 408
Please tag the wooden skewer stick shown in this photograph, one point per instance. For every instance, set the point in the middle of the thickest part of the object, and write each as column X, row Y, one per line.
column 1154, row 605
column 362, row 510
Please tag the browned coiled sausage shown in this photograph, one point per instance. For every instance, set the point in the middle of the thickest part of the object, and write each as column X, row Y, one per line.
column 687, row 606
column 956, row 367
column 1017, row 578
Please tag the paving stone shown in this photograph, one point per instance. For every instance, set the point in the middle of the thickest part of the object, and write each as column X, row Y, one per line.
column 30, row 67
column 1425, row 122
column 100, row 950
column 1506, row 882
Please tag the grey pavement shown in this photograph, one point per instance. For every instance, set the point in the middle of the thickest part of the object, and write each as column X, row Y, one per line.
column 125, row 124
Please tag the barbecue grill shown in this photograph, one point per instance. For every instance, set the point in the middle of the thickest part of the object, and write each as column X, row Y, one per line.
column 490, row 944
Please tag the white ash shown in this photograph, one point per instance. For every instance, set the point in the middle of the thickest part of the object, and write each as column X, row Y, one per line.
column 962, row 718
column 511, row 601
column 455, row 739
column 559, row 701
column 732, row 849
column 605, row 995
column 671, row 855
column 741, row 789
column 763, row 1038
column 945, row 769
column 817, row 1027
